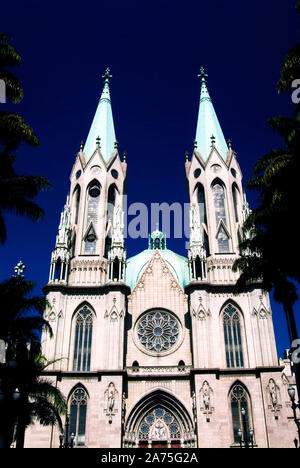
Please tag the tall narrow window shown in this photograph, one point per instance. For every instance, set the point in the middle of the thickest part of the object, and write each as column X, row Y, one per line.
column 239, row 400
column 233, row 337
column 77, row 200
column 219, row 203
column 83, row 340
column 111, row 200
column 203, row 217
column 93, row 198
column 235, row 196
column 78, row 407
column 201, row 201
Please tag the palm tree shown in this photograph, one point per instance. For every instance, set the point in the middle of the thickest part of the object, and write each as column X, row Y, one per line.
column 273, row 225
column 39, row 399
column 21, row 323
column 16, row 191
column 21, row 316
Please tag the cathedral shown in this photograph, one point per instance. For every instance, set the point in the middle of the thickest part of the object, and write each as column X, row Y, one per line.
column 156, row 350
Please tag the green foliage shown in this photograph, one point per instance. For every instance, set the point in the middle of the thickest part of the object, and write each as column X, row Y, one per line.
column 21, row 324
column 273, row 225
column 17, row 191
column 9, row 58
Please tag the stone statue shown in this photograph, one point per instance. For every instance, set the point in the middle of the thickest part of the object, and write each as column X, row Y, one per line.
column 159, row 431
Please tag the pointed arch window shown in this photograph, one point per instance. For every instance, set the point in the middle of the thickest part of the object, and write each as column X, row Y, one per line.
column 235, row 197
column 239, row 400
column 111, row 201
column 233, row 337
column 219, row 203
column 77, row 201
column 201, row 201
column 203, row 215
column 93, row 198
column 78, row 410
column 83, row 340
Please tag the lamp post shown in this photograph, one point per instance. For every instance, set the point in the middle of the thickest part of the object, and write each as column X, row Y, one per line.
column 291, row 391
column 66, row 440
column 244, row 435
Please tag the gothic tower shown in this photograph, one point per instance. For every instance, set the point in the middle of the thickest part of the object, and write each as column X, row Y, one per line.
column 86, row 289
column 233, row 344
column 156, row 350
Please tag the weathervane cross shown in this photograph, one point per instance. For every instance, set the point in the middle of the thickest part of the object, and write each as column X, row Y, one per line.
column 107, row 76
column 202, row 75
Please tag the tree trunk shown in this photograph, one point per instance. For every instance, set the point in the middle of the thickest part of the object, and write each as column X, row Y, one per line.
column 20, row 434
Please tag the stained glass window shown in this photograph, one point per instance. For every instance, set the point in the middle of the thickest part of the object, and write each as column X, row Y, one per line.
column 92, row 217
column 219, row 203
column 239, row 400
column 233, row 338
column 83, row 340
column 78, row 407
column 158, row 331
column 159, row 424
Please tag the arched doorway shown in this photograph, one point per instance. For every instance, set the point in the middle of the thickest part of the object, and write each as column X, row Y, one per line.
column 159, row 420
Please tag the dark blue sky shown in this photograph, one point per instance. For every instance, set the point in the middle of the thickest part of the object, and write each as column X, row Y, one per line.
column 154, row 50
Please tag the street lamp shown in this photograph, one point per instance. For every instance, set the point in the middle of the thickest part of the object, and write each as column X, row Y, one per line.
column 291, row 392
column 244, row 435
column 66, row 440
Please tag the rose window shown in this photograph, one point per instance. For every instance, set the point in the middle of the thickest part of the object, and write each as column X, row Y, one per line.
column 159, row 424
column 158, row 331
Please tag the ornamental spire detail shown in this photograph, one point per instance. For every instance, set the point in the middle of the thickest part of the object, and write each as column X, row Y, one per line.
column 208, row 124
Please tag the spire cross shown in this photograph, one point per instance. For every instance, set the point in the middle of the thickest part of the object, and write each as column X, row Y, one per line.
column 202, row 75
column 213, row 140
column 107, row 76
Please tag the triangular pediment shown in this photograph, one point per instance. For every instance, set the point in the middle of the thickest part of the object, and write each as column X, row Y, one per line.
column 157, row 273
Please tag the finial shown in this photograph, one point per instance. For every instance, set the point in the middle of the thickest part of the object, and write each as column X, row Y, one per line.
column 107, row 76
column 202, row 75
column 195, row 144
column 116, row 144
column 19, row 269
column 81, row 146
column 124, row 156
column 186, row 156
column 213, row 141
column 98, row 142
column 229, row 142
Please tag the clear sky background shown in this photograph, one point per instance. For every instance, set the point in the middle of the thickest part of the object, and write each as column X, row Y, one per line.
column 154, row 50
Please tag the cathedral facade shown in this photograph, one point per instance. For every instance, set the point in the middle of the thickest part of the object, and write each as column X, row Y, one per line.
column 156, row 350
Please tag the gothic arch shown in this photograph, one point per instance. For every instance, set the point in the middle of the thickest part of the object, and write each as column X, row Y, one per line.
column 78, row 407
column 236, row 199
column 81, row 340
column 234, row 304
column 232, row 327
column 81, row 305
column 76, row 202
column 201, row 200
column 77, row 385
column 159, row 407
column 238, row 398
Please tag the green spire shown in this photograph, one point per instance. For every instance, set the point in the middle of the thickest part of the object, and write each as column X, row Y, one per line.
column 103, row 125
column 208, row 132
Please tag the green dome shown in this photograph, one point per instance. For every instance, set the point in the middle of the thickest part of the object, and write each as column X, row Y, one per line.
column 137, row 264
